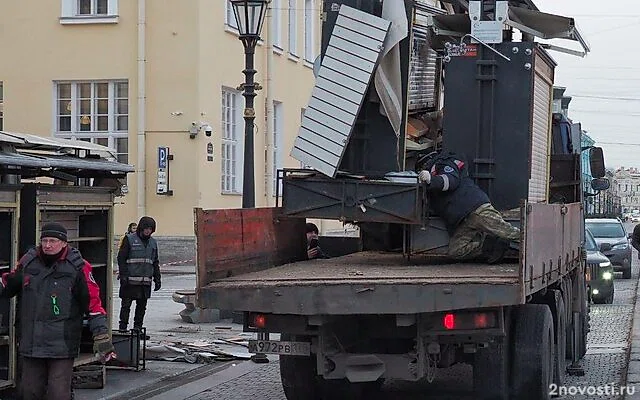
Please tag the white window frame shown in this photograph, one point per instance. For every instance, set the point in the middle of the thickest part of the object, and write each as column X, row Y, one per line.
column 278, row 146
column 309, row 31
column 113, row 138
column 70, row 13
column 293, row 28
column 231, row 146
column 276, row 25
column 229, row 17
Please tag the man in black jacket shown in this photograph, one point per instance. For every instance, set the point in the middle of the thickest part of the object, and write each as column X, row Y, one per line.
column 635, row 239
column 476, row 228
column 56, row 289
column 138, row 265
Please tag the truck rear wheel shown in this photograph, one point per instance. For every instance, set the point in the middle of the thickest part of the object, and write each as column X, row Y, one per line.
column 300, row 380
column 560, row 325
column 491, row 371
column 533, row 352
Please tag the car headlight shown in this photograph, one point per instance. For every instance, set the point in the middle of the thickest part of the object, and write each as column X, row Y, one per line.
column 605, row 264
column 607, row 276
column 620, row 246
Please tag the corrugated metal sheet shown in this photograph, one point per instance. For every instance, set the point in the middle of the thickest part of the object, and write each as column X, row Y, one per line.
column 343, row 79
column 61, row 162
column 540, row 139
column 423, row 70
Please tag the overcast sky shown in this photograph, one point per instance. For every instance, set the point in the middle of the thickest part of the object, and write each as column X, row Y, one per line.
column 605, row 85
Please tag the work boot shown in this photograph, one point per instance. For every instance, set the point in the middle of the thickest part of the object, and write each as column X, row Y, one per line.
column 494, row 248
column 122, row 328
column 138, row 329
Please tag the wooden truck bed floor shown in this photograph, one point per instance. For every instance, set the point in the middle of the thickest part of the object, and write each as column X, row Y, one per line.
column 366, row 283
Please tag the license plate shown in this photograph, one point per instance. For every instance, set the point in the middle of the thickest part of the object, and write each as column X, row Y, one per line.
column 282, row 348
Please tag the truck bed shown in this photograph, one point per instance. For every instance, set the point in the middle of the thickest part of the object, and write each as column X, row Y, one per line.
column 367, row 283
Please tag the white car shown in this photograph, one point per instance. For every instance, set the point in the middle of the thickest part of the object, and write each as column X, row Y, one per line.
column 635, row 218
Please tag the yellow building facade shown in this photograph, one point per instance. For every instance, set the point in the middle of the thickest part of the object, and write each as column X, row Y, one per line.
column 157, row 81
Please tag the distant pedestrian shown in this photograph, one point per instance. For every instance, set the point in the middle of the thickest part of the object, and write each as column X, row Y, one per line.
column 138, row 266
column 130, row 229
column 56, row 289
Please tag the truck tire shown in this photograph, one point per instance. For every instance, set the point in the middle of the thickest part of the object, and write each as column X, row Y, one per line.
column 560, row 324
column 300, row 380
column 491, row 371
column 533, row 352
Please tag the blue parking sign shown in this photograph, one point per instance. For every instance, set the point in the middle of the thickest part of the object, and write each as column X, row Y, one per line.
column 163, row 153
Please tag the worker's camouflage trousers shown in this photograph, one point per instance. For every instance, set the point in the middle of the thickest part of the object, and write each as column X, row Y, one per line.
column 468, row 239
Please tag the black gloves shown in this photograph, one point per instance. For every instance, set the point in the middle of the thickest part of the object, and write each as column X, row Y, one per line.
column 157, row 286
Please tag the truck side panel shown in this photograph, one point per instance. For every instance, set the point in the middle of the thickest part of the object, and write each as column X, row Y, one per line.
column 549, row 256
column 238, row 241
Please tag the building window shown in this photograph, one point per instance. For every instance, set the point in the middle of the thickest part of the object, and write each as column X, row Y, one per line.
column 1, row 106
column 308, row 31
column 293, row 28
column 231, row 143
column 229, row 16
column 96, row 112
column 89, row 11
column 276, row 31
column 278, row 131
column 92, row 7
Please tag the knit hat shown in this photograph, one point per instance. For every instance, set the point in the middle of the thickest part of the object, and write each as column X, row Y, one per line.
column 54, row 230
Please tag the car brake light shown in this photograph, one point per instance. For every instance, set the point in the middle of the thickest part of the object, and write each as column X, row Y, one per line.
column 449, row 321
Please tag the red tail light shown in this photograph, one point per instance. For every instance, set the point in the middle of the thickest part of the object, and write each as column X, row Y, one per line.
column 480, row 320
column 469, row 320
column 449, row 321
column 259, row 321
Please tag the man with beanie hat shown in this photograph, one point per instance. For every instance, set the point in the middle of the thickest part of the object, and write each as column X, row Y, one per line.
column 57, row 289
column 138, row 265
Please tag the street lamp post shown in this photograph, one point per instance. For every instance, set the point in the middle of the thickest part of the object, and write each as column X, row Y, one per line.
column 249, row 17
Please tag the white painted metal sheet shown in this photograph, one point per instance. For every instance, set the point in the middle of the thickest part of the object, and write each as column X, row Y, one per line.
column 540, row 140
column 343, row 78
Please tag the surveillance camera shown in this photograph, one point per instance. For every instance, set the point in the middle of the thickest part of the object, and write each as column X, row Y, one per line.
column 208, row 130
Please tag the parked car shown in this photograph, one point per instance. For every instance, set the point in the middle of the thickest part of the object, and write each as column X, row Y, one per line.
column 635, row 218
column 613, row 242
column 599, row 272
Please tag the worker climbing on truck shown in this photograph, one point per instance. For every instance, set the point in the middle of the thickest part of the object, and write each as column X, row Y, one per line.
column 477, row 230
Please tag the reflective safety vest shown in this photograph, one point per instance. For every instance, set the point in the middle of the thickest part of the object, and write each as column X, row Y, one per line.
column 141, row 258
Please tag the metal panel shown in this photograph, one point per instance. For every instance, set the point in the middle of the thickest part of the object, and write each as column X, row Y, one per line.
column 540, row 132
column 236, row 241
column 316, row 196
column 552, row 243
column 340, row 89
column 423, row 72
column 367, row 283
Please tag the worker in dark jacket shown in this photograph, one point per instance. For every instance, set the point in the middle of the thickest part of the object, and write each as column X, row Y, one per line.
column 139, row 266
column 313, row 242
column 56, row 290
column 476, row 228
column 635, row 239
